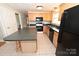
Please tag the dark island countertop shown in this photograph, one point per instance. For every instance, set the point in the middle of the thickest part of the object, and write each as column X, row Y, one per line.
column 26, row 34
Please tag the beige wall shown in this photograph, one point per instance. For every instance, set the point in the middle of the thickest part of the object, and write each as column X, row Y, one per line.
column 47, row 16
column 8, row 19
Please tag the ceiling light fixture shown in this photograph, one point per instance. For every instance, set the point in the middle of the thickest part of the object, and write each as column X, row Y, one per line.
column 39, row 7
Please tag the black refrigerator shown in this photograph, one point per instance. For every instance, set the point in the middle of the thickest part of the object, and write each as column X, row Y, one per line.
column 68, row 39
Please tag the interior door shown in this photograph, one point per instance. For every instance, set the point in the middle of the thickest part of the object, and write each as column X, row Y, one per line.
column 1, row 34
column 18, row 21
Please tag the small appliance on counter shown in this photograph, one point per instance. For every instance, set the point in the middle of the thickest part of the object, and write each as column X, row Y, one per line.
column 39, row 23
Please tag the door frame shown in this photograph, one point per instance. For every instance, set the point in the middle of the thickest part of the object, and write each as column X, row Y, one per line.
column 1, row 30
column 20, row 25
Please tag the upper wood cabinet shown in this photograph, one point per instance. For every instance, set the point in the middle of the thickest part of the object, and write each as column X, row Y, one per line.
column 47, row 16
column 65, row 6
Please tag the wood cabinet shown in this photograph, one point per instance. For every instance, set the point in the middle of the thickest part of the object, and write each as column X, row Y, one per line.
column 53, row 35
column 55, row 38
column 46, row 30
column 26, row 46
column 47, row 16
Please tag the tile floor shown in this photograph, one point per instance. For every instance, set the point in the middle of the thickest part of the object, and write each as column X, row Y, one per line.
column 45, row 47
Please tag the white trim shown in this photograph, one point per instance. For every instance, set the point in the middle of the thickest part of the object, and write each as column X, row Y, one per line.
column 39, row 12
column 20, row 20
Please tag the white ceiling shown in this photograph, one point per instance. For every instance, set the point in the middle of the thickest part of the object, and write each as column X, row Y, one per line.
column 24, row 7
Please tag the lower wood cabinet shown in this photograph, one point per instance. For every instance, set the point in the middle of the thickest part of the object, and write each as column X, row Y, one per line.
column 26, row 46
column 46, row 30
column 55, row 38
column 53, row 35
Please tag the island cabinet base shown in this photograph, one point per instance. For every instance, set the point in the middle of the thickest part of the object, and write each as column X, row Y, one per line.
column 26, row 46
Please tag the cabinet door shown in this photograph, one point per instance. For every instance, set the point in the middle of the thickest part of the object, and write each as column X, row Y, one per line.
column 55, row 38
column 46, row 30
column 28, row 46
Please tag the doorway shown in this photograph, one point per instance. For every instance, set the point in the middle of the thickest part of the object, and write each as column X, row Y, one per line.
column 1, row 33
column 18, row 21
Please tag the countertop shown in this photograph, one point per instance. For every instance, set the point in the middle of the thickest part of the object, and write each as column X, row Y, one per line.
column 26, row 34
column 34, row 23
column 54, row 27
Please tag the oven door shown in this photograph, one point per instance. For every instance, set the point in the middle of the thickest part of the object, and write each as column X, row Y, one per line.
column 39, row 28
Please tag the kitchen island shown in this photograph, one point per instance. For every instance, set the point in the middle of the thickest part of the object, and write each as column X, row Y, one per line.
column 26, row 39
